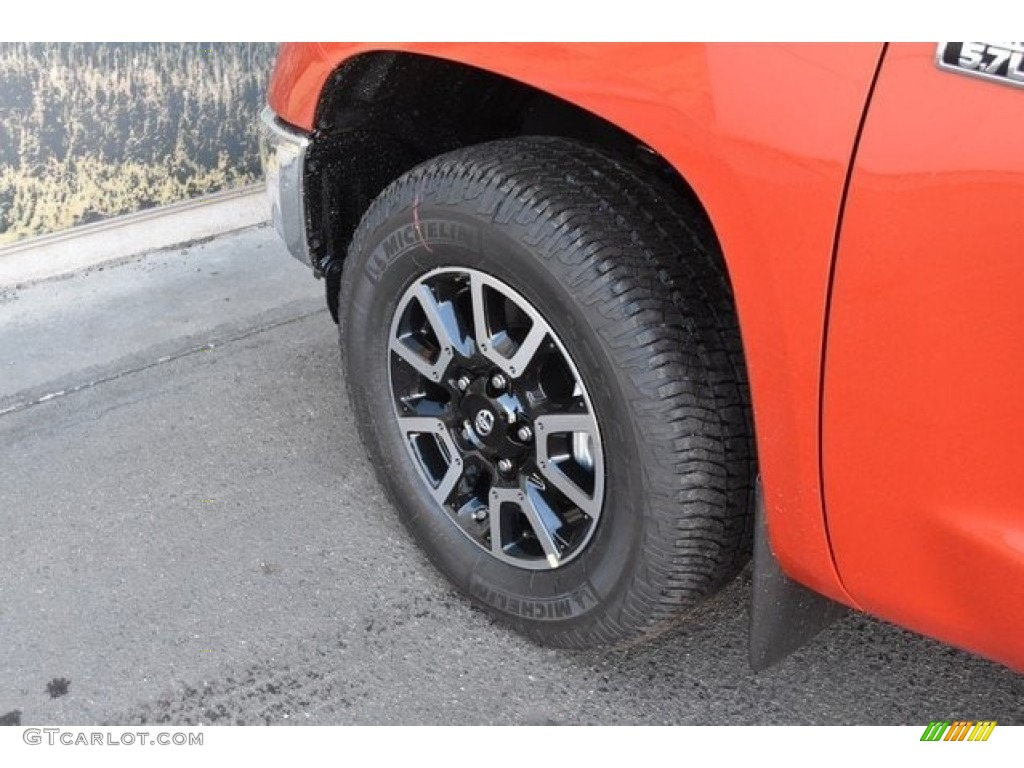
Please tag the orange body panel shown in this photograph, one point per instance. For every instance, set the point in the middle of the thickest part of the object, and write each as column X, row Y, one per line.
column 924, row 413
column 764, row 135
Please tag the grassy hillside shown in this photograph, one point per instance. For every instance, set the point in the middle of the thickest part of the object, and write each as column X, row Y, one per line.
column 92, row 130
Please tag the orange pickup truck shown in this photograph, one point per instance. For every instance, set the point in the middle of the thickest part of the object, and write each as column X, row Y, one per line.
column 614, row 316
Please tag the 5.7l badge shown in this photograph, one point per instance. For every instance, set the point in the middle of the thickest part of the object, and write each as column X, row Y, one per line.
column 1001, row 62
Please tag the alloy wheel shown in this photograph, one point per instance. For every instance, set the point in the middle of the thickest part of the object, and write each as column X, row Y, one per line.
column 496, row 418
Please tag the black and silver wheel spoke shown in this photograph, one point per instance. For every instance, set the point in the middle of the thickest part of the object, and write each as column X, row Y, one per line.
column 541, row 519
column 546, row 524
column 430, row 338
column 496, row 418
column 566, row 457
column 438, row 460
column 511, row 347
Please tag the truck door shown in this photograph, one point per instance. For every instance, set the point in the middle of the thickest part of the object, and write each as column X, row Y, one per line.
column 923, row 401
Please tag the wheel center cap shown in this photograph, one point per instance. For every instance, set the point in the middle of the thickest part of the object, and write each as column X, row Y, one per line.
column 483, row 422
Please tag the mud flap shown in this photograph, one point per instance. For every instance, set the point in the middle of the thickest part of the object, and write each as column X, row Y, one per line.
column 783, row 614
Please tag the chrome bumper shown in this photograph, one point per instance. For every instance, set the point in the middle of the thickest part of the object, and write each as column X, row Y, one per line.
column 283, row 154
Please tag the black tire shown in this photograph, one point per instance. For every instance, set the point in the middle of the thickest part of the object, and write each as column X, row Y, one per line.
column 625, row 276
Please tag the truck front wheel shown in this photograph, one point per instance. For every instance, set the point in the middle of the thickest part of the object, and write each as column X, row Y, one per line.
column 544, row 365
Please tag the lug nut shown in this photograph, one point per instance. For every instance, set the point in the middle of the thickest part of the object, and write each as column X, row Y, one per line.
column 480, row 515
column 498, row 381
column 463, row 383
column 524, row 433
column 504, row 466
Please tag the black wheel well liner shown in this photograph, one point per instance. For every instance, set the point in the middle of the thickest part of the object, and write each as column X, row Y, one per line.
column 382, row 113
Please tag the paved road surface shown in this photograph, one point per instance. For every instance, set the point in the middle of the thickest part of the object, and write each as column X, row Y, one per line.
column 189, row 532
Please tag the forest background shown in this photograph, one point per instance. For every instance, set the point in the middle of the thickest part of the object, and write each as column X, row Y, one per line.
column 94, row 130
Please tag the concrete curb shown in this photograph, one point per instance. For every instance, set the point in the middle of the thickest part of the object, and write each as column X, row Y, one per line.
column 63, row 253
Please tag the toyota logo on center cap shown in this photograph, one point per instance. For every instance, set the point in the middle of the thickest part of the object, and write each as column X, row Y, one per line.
column 484, row 422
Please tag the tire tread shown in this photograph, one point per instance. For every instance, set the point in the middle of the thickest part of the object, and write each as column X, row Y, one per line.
column 632, row 250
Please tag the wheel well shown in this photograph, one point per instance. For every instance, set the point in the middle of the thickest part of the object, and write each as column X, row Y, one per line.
column 382, row 113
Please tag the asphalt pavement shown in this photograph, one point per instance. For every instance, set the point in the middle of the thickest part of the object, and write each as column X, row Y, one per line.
column 191, row 533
